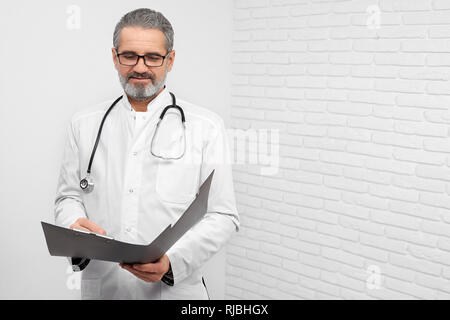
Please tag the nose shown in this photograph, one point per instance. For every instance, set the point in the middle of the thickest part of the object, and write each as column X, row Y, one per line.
column 140, row 67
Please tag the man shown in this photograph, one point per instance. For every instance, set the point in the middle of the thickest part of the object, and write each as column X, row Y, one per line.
column 136, row 193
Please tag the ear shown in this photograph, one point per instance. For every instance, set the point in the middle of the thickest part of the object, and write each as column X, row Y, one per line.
column 171, row 59
column 114, row 57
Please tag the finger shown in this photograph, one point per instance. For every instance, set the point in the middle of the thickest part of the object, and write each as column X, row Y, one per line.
column 149, row 277
column 77, row 227
column 139, row 274
column 91, row 226
column 147, row 267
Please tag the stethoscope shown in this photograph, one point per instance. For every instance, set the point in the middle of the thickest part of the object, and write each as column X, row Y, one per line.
column 87, row 184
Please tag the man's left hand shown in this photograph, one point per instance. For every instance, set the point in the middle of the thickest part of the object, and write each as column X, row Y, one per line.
column 149, row 272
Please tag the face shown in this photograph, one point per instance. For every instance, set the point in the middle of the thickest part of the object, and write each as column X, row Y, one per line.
column 142, row 82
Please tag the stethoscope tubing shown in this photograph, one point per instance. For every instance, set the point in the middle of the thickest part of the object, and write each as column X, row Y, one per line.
column 86, row 184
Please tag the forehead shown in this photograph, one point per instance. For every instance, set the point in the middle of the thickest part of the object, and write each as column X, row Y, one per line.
column 142, row 40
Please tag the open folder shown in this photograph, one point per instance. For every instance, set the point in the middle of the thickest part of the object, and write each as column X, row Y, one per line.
column 73, row 243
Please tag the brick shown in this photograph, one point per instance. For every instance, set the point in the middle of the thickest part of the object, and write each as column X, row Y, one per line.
column 367, row 175
column 394, row 193
column 251, row 3
column 421, row 129
column 304, row 201
column 439, row 32
column 410, row 289
column 279, row 251
column 431, row 254
column 425, row 45
column 298, row 222
column 337, row 231
column 371, row 123
column 436, row 228
column 349, row 133
column 433, row 172
column 346, row 184
column 390, row 166
column 345, row 209
column 353, row 59
column 352, row 32
column 270, row 12
column 395, row 219
column 324, row 143
column 329, row 45
column 370, row 149
column 412, row 236
column 365, row 200
column 416, row 183
column 395, row 139
column 319, row 239
column 330, row 20
column 426, row 18
column 400, row 59
column 381, row 45
column 301, row 246
column 374, row 72
column 298, row 291
column 404, row 5
column 372, row 97
column 279, row 229
column 403, row 32
column 343, row 257
column 301, row 269
column 311, row 9
column 258, row 256
column 406, row 86
column 366, row 252
column 328, row 70
column 342, row 158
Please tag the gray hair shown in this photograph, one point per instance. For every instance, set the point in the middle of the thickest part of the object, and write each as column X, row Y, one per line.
column 147, row 19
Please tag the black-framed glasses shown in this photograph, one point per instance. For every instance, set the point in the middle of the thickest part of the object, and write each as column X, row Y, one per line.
column 150, row 60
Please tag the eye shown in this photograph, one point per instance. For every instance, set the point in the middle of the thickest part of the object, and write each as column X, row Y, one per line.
column 129, row 56
column 153, row 57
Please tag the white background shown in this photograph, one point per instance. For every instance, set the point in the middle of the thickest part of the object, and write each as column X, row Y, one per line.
column 48, row 72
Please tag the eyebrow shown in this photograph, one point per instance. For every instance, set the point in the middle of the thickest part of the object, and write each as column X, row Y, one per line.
column 147, row 53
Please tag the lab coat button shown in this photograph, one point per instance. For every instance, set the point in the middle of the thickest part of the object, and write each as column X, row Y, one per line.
column 128, row 229
column 131, row 191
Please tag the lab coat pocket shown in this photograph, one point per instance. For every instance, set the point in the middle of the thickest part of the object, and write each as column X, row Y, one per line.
column 177, row 182
column 90, row 289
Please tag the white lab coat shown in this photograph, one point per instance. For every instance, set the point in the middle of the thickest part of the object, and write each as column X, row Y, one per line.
column 137, row 195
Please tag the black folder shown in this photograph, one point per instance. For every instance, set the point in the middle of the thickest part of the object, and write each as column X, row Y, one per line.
column 74, row 243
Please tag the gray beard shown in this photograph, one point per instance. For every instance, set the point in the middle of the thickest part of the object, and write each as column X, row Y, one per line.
column 140, row 92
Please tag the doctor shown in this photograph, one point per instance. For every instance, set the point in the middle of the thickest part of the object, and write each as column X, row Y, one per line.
column 139, row 190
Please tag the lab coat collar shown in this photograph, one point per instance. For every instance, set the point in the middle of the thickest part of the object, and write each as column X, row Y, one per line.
column 161, row 100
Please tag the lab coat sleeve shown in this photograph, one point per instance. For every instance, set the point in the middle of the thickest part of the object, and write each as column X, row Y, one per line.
column 208, row 236
column 68, row 202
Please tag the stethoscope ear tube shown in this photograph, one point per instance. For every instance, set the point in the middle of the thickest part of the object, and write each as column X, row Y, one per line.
column 86, row 184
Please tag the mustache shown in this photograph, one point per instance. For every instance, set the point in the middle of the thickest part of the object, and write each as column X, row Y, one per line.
column 144, row 75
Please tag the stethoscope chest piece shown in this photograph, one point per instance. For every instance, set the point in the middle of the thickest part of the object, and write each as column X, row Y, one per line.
column 87, row 185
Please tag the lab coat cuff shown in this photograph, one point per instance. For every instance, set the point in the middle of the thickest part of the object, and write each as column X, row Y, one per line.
column 179, row 273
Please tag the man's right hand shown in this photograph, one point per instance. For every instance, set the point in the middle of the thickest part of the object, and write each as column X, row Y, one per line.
column 87, row 225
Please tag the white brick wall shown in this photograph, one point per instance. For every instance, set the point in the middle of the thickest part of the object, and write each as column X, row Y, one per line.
column 361, row 101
